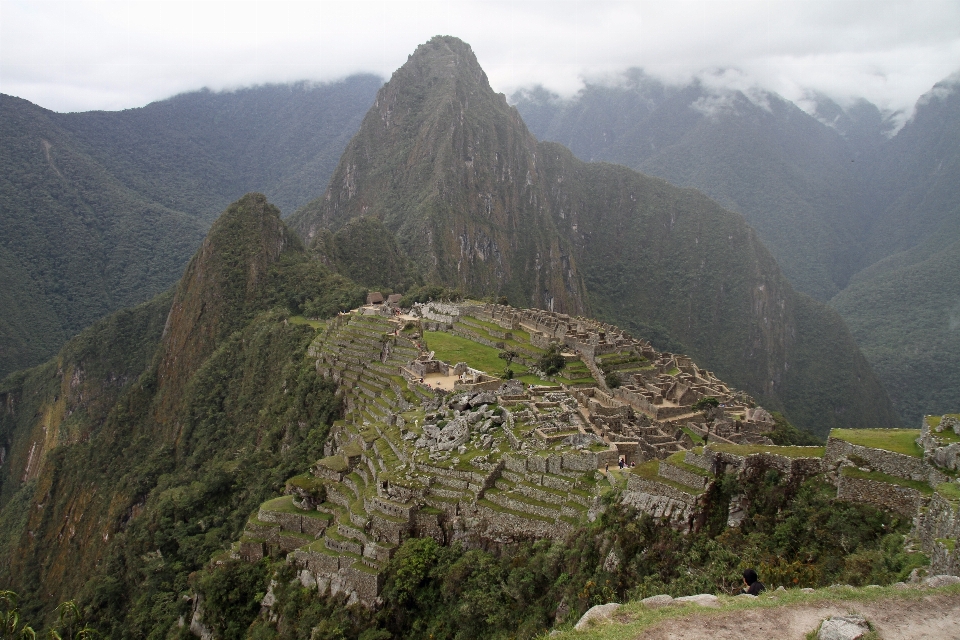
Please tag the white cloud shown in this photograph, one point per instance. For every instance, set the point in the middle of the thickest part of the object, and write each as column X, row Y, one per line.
column 78, row 54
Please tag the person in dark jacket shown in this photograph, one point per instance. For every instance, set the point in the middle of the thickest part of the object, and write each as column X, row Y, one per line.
column 753, row 585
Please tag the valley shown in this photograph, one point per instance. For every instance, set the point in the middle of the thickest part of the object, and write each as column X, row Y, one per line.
column 461, row 383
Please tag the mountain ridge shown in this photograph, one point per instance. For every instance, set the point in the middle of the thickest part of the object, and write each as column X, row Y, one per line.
column 452, row 170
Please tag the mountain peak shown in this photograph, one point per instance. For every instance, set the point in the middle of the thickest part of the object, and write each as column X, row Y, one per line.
column 221, row 286
column 444, row 57
column 449, row 167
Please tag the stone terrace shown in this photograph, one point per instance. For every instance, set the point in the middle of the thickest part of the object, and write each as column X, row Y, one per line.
column 497, row 461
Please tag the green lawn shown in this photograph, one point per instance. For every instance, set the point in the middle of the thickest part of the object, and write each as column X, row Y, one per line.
column 786, row 452
column 453, row 349
column 283, row 504
column 697, row 438
column 950, row 491
column 895, row 440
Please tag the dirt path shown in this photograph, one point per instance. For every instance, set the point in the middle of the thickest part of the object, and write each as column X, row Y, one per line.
column 935, row 617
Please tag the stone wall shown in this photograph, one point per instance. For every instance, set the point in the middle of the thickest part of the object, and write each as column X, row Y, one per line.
column 894, row 464
column 903, row 500
column 677, row 474
column 637, row 484
column 945, row 456
column 501, row 526
column 340, row 575
column 941, row 519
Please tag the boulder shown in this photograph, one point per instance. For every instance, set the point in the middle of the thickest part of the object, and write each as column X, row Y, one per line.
column 939, row 581
column 702, row 599
column 657, row 601
column 843, row 628
column 599, row 613
column 483, row 398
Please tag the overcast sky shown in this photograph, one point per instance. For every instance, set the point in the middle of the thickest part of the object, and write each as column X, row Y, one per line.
column 77, row 55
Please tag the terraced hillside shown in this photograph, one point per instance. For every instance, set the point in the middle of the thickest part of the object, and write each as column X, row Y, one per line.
column 441, row 448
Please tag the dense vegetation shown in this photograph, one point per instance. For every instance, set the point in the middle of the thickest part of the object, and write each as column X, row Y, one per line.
column 169, row 430
column 102, row 210
column 793, row 535
column 850, row 213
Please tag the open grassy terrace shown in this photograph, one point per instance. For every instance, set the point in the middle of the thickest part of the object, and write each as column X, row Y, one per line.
column 316, row 324
column 897, row 440
column 453, row 349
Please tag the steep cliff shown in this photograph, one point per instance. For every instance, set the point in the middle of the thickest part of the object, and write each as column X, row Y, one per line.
column 449, row 167
column 477, row 203
column 136, row 453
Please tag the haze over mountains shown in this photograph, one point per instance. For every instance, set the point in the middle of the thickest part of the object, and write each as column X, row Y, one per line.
column 142, row 447
column 120, row 200
column 102, row 210
column 866, row 221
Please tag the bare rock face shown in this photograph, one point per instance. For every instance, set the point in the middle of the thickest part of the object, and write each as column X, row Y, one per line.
column 843, row 628
column 940, row 581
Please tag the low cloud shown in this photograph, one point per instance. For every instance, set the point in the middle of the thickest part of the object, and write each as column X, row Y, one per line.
column 77, row 55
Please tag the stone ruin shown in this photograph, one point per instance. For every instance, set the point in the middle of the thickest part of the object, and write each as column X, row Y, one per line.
column 499, row 461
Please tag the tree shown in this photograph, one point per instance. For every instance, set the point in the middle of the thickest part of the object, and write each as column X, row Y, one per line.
column 612, row 379
column 509, row 356
column 552, row 361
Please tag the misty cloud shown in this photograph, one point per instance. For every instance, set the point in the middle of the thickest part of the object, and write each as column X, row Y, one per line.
column 78, row 55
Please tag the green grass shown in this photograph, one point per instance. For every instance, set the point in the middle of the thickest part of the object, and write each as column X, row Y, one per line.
column 316, row 324
column 950, row 491
column 649, row 470
column 895, row 440
column 633, row 618
column 877, row 476
column 949, row 543
column 697, row 438
column 676, row 459
column 786, row 452
column 283, row 504
column 334, row 463
column 453, row 349
column 946, row 436
column 305, row 481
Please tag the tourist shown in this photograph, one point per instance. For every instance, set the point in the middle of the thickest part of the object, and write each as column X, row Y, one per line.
column 752, row 583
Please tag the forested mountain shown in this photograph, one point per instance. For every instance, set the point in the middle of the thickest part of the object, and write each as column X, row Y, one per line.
column 189, row 409
column 479, row 204
column 140, row 450
column 905, row 308
column 786, row 172
column 101, row 210
column 851, row 214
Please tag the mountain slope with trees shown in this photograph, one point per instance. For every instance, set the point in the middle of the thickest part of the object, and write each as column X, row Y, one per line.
column 478, row 204
column 852, row 215
column 101, row 210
